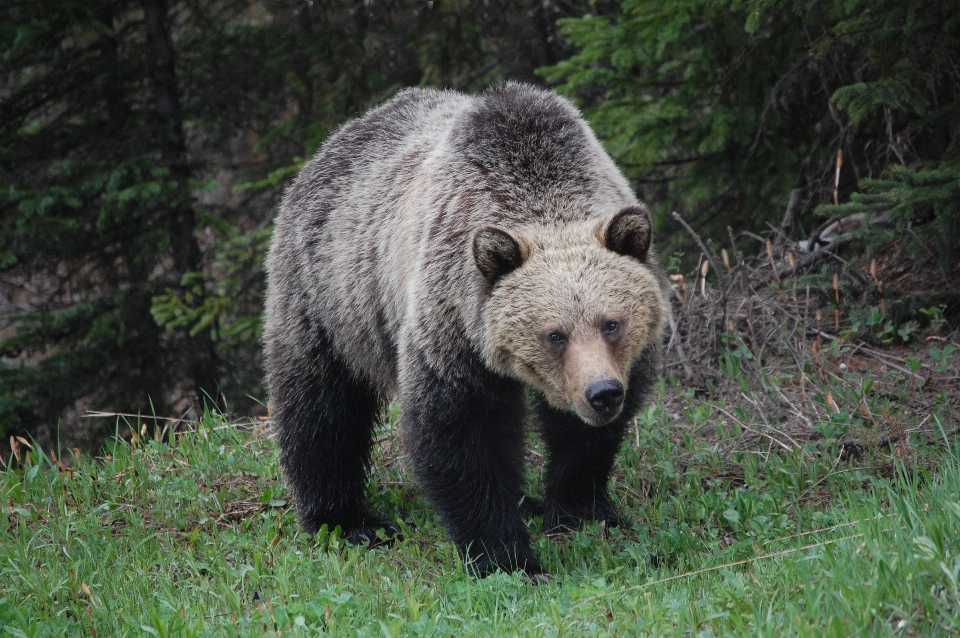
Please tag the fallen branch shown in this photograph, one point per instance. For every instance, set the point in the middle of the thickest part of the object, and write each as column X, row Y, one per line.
column 786, row 225
column 876, row 355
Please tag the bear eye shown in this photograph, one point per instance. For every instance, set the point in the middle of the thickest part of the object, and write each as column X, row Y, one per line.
column 611, row 327
column 557, row 338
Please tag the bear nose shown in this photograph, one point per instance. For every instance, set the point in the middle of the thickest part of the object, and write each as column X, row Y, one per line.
column 605, row 395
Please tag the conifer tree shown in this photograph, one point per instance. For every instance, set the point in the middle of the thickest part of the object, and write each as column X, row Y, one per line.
column 97, row 208
column 144, row 145
column 721, row 110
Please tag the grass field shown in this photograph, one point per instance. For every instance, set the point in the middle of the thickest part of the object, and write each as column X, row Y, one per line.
column 192, row 535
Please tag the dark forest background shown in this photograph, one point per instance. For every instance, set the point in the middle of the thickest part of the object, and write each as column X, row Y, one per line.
column 144, row 145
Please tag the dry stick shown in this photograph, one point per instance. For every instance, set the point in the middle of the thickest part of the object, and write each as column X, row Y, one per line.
column 94, row 414
column 876, row 280
column 943, row 340
column 803, row 417
column 815, row 348
column 836, row 178
column 740, row 266
column 803, row 374
column 786, row 224
column 706, row 251
column 733, row 246
column 804, row 261
column 750, row 313
column 747, row 233
column 793, row 266
column 773, row 264
column 759, row 408
column 822, row 529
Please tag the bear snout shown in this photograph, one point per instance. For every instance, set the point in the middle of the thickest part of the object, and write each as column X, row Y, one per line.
column 605, row 396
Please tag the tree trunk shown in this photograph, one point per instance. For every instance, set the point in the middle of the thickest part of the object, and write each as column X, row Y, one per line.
column 304, row 34
column 199, row 352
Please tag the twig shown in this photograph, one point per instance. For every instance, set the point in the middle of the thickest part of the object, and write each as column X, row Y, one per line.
column 836, row 178
column 712, row 256
column 95, row 414
column 825, row 476
column 801, row 264
column 821, row 530
column 733, row 246
column 773, row 263
column 757, row 432
column 760, row 409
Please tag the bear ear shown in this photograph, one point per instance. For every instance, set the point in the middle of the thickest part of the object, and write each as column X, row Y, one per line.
column 628, row 233
column 496, row 253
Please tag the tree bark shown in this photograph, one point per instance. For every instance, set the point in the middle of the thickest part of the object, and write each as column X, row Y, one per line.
column 199, row 350
column 304, row 33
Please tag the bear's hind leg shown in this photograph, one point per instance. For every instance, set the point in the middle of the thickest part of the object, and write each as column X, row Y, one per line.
column 324, row 419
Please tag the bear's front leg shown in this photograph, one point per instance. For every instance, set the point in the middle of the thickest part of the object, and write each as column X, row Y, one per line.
column 465, row 436
column 579, row 460
column 580, row 457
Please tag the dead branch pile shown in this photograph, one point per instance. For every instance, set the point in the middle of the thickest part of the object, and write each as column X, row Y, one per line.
column 773, row 357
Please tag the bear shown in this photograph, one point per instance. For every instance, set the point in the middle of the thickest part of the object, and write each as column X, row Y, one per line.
column 474, row 256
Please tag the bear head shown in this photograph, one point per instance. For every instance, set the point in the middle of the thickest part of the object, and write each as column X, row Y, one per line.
column 570, row 307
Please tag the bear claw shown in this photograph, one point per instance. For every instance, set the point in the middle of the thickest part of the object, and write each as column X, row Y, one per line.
column 559, row 520
column 542, row 578
column 376, row 534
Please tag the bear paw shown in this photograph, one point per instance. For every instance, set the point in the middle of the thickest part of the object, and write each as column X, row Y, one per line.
column 483, row 563
column 543, row 578
column 373, row 533
column 531, row 506
column 563, row 518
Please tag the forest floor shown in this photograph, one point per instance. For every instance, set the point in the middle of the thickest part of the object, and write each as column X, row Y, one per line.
column 736, row 527
column 792, row 475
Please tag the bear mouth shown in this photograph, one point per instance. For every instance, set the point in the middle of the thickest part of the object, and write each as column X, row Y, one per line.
column 595, row 418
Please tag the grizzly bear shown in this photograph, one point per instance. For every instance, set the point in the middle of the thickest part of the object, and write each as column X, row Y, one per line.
column 452, row 251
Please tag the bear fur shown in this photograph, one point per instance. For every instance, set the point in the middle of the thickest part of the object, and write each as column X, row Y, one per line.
column 453, row 250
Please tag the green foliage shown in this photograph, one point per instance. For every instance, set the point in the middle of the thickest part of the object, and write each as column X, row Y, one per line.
column 908, row 102
column 923, row 204
column 679, row 94
column 219, row 302
column 719, row 110
column 96, row 214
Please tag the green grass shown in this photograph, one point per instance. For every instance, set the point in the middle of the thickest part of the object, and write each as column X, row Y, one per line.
column 192, row 536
